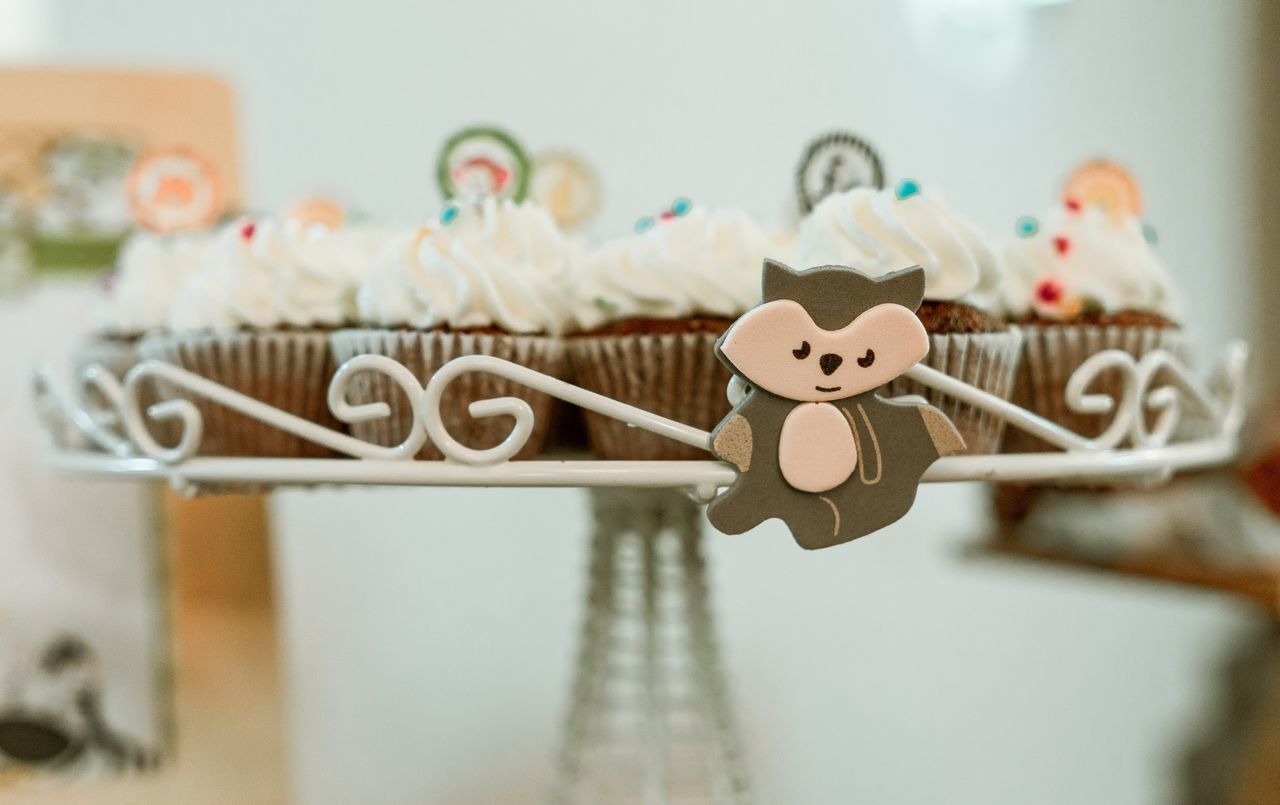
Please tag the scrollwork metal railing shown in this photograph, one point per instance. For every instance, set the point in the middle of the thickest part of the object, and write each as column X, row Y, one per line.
column 1156, row 393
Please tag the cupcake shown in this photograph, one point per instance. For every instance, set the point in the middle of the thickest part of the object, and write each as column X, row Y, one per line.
column 650, row 307
column 1082, row 280
column 149, row 271
column 879, row 231
column 486, row 278
column 256, row 317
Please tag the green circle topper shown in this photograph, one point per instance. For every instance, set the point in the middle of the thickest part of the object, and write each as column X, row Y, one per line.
column 469, row 144
column 833, row 163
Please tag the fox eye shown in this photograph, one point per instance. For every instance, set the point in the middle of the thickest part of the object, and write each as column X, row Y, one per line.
column 803, row 352
column 866, row 360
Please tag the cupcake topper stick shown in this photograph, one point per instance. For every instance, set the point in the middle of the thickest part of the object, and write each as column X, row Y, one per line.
column 813, row 443
column 174, row 189
column 482, row 161
column 834, row 163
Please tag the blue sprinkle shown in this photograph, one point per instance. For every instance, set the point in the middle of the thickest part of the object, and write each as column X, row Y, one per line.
column 1026, row 226
column 449, row 214
column 907, row 188
column 1149, row 232
column 681, row 206
column 644, row 224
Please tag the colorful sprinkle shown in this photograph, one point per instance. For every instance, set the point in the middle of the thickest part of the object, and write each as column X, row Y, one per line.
column 1026, row 226
column 1050, row 292
column 450, row 214
column 1072, row 204
column 1062, row 244
column 1149, row 232
column 906, row 189
column 247, row 229
column 681, row 206
column 645, row 224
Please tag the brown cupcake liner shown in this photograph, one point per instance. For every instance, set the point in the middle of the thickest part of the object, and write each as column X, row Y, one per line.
column 1052, row 353
column 675, row 375
column 987, row 361
column 423, row 353
column 284, row 369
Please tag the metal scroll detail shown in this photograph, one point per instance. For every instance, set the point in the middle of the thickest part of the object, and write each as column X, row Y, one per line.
column 1150, row 401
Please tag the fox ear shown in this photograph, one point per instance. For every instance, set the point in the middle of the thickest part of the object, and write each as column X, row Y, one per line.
column 778, row 281
column 905, row 287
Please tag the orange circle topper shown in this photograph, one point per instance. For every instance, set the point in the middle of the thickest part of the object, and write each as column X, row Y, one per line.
column 1107, row 185
column 174, row 189
column 317, row 211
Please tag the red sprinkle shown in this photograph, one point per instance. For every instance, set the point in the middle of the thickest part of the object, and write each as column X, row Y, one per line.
column 248, row 229
column 666, row 215
column 1062, row 244
column 1050, row 292
column 1073, row 205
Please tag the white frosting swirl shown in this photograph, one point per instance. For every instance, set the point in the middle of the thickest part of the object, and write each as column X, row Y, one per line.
column 149, row 271
column 1083, row 259
column 493, row 264
column 876, row 232
column 701, row 263
column 272, row 274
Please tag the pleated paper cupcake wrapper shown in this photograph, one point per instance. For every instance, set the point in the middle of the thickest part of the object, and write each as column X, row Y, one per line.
column 423, row 353
column 287, row 370
column 987, row 361
column 1052, row 353
column 675, row 375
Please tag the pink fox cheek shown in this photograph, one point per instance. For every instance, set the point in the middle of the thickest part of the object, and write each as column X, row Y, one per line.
column 883, row 343
column 761, row 345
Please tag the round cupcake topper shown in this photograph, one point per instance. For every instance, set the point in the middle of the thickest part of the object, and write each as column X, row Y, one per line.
column 567, row 186
column 483, row 161
column 834, row 163
column 317, row 211
column 173, row 189
column 1104, row 184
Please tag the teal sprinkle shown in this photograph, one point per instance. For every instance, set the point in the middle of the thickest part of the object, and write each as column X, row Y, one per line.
column 604, row 304
column 681, row 206
column 449, row 214
column 1026, row 226
column 644, row 224
column 1149, row 232
column 906, row 189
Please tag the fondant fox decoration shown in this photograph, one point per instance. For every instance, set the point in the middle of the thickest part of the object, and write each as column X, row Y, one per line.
column 813, row 443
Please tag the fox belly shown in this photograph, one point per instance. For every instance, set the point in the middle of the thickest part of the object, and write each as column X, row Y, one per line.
column 816, row 449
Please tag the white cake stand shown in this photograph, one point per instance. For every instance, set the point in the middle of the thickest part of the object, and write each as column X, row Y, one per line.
column 650, row 719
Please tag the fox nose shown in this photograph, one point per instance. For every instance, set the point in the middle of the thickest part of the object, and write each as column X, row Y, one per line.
column 830, row 362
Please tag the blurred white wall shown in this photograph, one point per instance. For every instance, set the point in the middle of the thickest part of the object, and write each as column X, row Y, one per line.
column 431, row 632
column 25, row 28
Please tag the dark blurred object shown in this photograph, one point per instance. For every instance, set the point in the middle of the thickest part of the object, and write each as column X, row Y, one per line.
column 1199, row 530
column 1236, row 758
column 1262, row 469
column 1263, row 477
